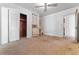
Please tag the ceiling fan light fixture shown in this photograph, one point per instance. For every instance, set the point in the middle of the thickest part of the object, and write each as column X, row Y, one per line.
column 40, row 3
column 46, row 5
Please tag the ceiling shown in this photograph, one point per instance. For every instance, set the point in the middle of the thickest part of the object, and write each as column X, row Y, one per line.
column 60, row 7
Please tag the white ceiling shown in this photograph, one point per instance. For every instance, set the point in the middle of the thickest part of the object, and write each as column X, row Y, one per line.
column 60, row 7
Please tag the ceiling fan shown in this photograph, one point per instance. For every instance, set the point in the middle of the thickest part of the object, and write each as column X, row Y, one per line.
column 47, row 5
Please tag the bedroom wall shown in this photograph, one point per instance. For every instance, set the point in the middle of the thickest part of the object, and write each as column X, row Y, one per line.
column 22, row 10
column 53, row 24
column 0, row 22
column 4, row 26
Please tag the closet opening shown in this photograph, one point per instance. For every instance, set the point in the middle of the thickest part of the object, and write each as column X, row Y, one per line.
column 23, row 25
column 69, row 27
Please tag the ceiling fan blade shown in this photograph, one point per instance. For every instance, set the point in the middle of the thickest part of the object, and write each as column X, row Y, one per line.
column 53, row 5
column 45, row 7
column 39, row 6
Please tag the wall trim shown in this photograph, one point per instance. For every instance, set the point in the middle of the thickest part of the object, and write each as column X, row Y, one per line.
column 53, row 35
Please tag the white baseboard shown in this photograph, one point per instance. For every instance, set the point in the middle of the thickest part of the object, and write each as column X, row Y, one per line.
column 53, row 35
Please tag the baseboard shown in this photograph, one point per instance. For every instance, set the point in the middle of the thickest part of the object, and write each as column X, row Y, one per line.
column 53, row 35
column 70, row 38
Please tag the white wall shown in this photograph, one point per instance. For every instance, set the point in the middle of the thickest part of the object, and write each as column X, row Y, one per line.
column 0, row 24
column 4, row 20
column 14, row 24
column 53, row 24
column 25, row 11
column 4, row 26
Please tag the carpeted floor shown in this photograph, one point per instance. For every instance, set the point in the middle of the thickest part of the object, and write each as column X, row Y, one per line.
column 43, row 45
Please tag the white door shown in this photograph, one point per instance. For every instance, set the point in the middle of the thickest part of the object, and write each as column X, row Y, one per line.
column 70, row 26
column 14, row 19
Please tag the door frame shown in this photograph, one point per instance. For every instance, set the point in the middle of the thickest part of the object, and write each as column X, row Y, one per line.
column 76, row 19
column 63, row 27
column 19, row 25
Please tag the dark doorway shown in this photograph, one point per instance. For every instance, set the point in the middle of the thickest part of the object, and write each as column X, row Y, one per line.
column 23, row 23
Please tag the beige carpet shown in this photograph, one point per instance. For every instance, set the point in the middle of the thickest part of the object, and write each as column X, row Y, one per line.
column 43, row 45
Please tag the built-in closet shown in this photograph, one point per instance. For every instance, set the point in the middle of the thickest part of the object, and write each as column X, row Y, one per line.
column 35, row 26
